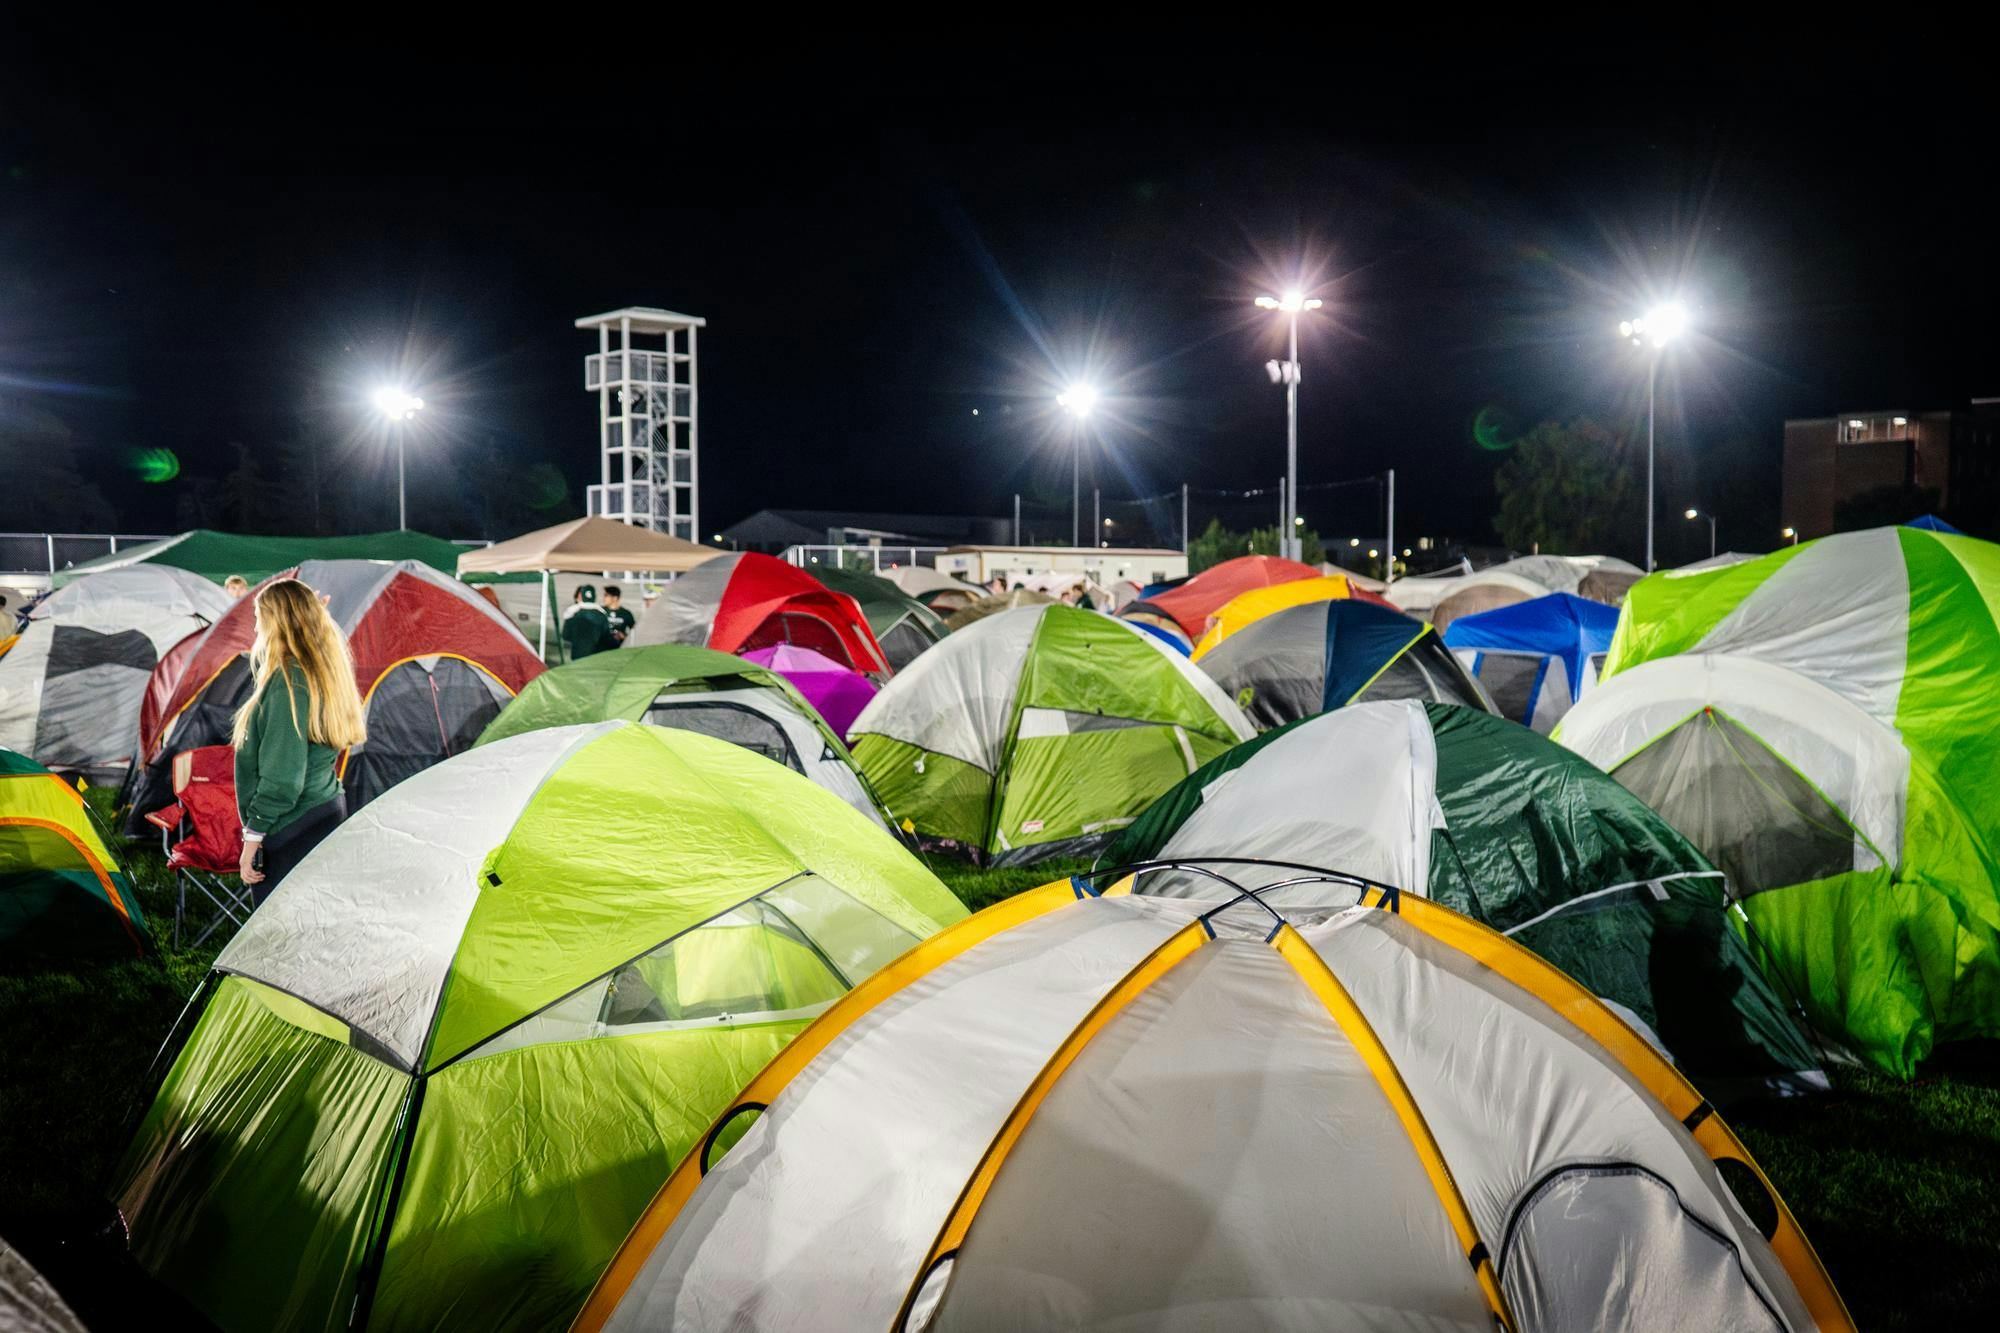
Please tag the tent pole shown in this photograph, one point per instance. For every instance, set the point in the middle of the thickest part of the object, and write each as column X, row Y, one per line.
column 543, row 646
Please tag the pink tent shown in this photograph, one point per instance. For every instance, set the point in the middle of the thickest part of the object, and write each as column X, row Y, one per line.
column 837, row 692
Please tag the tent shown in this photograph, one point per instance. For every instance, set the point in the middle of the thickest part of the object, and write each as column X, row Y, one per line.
column 71, row 686
column 1486, row 817
column 61, row 889
column 29, row 1303
column 837, row 693
column 934, row 588
column 739, row 603
column 1121, row 1112
column 1533, row 575
column 978, row 610
column 1535, row 659
column 1472, row 600
column 692, row 689
column 1861, row 862
column 1932, row 523
column 1320, row 655
column 1248, row 607
column 1039, row 732
column 901, row 624
column 434, row 660
column 216, row 555
column 1190, row 604
column 438, row 1074
column 581, row 546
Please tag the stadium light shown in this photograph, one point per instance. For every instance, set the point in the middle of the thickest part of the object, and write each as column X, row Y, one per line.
column 398, row 405
column 1286, row 372
column 1660, row 326
column 1079, row 400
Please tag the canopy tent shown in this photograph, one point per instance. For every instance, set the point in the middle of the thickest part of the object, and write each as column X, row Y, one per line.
column 61, row 890
column 1320, row 655
column 739, row 603
column 837, row 692
column 1190, row 604
column 1861, row 862
column 1118, row 1113
column 72, row 684
column 1039, row 732
column 1486, row 817
column 1248, row 607
column 1535, row 659
column 693, row 689
column 216, row 555
column 901, row 624
column 438, row 1074
column 582, row 546
column 433, row 659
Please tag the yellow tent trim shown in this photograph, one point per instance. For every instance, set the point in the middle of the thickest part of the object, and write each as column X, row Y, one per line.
column 1246, row 608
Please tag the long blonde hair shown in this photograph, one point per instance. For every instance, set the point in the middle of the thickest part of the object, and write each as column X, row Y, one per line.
column 293, row 626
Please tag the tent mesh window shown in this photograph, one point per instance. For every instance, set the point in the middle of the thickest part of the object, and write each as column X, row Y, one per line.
column 1748, row 810
column 903, row 642
column 1510, row 679
column 727, row 722
column 784, row 955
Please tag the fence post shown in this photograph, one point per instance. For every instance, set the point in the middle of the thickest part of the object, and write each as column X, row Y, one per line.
column 1184, row 518
column 1389, row 570
column 1017, row 518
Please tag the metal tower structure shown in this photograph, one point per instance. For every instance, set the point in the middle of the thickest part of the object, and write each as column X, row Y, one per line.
column 649, row 470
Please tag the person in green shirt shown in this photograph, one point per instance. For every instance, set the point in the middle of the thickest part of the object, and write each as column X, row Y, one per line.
column 302, row 712
column 586, row 629
column 621, row 620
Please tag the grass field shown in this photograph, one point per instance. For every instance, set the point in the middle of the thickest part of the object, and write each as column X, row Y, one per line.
column 1898, row 1186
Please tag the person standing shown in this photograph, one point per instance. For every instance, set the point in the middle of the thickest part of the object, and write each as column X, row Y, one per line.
column 586, row 630
column 302, row 712
column 621, row 620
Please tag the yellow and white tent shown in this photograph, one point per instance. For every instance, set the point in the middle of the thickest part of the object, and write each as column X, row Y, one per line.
column 1247, row 607
column 1128, row 1112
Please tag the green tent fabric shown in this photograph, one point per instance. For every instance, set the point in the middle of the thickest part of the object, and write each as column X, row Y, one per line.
column 440, row 1072
column 217, row 555
column 1483, row 815
column 1820, row 721
column 62, row 892
column 1039, row 732
column 903, row 625
column 694, row 689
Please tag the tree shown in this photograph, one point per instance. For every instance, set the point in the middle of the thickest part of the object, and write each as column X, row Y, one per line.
column 1264, row 541
column 1569, row 488
column 1215, row 545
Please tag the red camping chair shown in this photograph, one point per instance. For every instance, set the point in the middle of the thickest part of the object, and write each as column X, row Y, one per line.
column 203, row 837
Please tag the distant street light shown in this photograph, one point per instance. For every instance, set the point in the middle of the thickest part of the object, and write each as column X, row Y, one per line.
column 1657, row 328
column 1079, row 400
column 1286, row 372
column 397, row 407
column 1696, row 513
column 1792, row 533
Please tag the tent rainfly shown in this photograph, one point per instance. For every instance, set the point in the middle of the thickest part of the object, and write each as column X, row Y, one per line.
column 1190, row 604
column 1247, row 608
column 435, row 1078
column 738, row 603
column 61, row 889
column 1536, row 658
column 903, row 625
column 1127, row 1112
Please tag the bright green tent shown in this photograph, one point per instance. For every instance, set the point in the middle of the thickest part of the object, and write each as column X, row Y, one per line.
column 61, row 889
column 692, row 688
column 1039, row 732
column 217, row 555
column 439, row 1073
column 1494, row 821
column 1821, row 723
column 903, row 625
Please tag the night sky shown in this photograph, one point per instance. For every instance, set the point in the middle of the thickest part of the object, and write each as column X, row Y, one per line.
column 216, row 240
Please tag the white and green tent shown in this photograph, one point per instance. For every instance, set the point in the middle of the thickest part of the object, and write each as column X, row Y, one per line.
column 1820, row 722
column 1039, row 732
column 439, row 1073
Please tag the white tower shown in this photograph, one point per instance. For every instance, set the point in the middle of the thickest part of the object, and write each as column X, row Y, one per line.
column 646, row 419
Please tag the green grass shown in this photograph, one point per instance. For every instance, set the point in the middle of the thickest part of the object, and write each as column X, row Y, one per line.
column 1897, row 1186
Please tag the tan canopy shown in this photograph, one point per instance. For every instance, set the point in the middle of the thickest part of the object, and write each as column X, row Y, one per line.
column 584, row 546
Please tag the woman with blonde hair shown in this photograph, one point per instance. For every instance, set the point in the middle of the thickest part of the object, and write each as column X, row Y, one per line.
column 303, row 711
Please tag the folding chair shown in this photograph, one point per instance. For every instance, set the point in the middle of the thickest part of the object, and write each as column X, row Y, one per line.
column 203, row 838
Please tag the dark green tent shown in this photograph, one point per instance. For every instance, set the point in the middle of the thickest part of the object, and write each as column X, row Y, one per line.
column 903, row 625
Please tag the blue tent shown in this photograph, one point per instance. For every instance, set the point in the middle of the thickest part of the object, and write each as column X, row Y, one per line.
column 1535, row 658
column 1932, row 523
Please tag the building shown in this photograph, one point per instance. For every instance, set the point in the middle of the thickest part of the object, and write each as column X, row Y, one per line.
column 1831, row 461
column 1104, row 565
column 649, row 466
column 775, row 530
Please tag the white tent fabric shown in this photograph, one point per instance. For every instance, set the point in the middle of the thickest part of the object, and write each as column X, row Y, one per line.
column 1129, row 1121
column 957, row 702
column 1533, row 575
column 821, row 764
column 72, row 685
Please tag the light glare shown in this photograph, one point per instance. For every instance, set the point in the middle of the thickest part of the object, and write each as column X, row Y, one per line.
column 1079, row 399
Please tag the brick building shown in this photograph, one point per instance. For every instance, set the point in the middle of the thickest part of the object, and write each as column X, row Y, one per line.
column 1954, row 452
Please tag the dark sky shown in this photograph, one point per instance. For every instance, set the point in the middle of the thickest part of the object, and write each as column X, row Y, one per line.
column 227, row 237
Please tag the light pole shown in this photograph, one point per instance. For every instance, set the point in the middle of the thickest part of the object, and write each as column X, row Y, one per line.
column 1792, row 533
column 398, row 407
column 1696, row 513
column 1286, row 372
column 1079, row 400
column 1657, row 327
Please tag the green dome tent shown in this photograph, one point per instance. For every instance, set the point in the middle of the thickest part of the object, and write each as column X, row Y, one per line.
column 698, row 689
column 1821, row 721
column 1039, row 732
column 61, row 890
column 1494, row 821
column 903, row 625
column 439, row 1073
